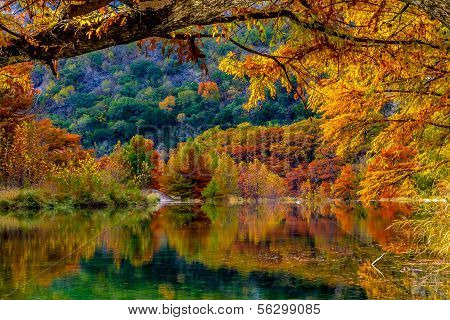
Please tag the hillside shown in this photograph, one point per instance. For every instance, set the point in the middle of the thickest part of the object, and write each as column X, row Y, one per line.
column 111, row 95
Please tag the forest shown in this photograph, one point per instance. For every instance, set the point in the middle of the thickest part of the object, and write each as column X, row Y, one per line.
column 105, row 99
column 238, row 101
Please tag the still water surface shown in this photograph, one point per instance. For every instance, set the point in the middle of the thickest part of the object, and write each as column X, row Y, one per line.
column 270, row 251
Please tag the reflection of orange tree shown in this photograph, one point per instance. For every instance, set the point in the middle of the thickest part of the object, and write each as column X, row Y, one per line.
column 372, row 221
column 34, row 254
column 327, row 243
column 38, row 251
column 182, row 220
column 131, row 239
column 269, row 237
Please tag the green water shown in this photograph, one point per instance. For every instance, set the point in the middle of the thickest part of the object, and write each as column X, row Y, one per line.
column 270, row 251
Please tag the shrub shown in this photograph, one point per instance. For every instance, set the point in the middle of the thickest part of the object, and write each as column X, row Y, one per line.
column 212, row 190
column 29, row 199
column 119, row 199
column 6, row 204
column 152, row 199
column 90, row 200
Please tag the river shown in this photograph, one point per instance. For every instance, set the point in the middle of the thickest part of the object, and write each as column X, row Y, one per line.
column 264, row 251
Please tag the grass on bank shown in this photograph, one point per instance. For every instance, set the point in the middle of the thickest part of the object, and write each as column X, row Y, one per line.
column 83, row 185
column 428, row 229
column 38, row 199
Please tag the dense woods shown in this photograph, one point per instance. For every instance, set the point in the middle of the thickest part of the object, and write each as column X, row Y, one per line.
column 106, row 99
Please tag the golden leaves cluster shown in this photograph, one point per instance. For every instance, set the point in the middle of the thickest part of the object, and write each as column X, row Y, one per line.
column 376, row 71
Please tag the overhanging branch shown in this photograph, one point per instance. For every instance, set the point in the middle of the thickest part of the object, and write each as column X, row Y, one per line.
column 68, row 39
column 283, row 68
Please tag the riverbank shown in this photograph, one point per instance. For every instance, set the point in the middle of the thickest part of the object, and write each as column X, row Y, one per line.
column 319, row 199
column 41, row 199
column 37, row 199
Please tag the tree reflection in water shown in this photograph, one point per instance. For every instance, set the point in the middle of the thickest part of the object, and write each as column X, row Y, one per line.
column 271, row 251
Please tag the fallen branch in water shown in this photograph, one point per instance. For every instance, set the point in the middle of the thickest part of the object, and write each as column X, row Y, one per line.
column 375, row 261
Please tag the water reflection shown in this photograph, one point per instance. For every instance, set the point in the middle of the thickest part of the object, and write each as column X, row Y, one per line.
column 268, row 251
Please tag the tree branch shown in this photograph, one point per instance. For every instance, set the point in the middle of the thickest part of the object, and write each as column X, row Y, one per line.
column 68, row 38
column 437, row 9
column 316, row 26
column 79, row 8
column 14, row 34
column 281, row 65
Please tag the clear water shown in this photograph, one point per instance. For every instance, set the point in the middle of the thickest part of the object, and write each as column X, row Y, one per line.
column 269, row 251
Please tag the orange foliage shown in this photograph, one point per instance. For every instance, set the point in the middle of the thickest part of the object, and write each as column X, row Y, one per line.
column 16, row 95
column 34, row 149
column 136, row 161
column 321, row 172
column 167, row 103
column 345, row 185
column 256, row 181
column 325, row 189
column 279, row 148
column 389, row 174
column 377, row 73
column 209, row 89
column 296, row 177
column 188, row 171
